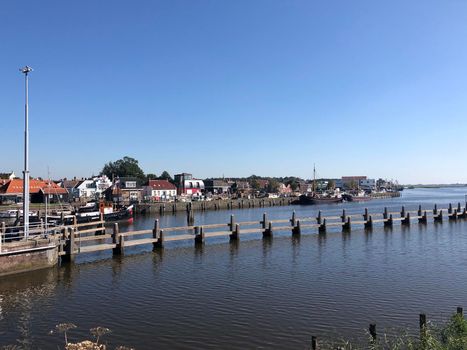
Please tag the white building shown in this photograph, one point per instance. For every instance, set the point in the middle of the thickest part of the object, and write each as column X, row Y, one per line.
column 160, row 190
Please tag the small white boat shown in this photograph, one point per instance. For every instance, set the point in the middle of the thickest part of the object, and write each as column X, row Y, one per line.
column 8, row 214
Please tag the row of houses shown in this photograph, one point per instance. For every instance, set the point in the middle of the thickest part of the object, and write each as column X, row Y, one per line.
column 129, row 189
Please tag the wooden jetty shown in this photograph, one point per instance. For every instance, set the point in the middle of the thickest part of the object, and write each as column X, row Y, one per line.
column 75, row 239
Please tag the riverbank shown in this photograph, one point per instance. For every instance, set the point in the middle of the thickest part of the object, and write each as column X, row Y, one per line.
column 173, row 207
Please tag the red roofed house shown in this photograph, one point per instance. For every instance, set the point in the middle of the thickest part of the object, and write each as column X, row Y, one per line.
column 160, row 190
column 12, row 191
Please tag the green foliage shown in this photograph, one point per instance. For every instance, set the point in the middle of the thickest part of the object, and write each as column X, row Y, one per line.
column 273, row 186
column 254, row 184
column 151, row 177
column 331, row 185
column 450, row 336
column 125, row 167
column 166, row 176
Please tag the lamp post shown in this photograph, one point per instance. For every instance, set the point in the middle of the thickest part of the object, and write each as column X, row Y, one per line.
column 25, row 70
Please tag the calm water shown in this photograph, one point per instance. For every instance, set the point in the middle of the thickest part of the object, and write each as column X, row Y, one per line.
column 264, row 294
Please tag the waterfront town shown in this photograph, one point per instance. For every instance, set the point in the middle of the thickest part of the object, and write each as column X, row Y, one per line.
column 182, row 187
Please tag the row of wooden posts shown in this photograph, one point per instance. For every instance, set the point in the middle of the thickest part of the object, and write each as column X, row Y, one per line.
column 373, row 334
column 158, row 235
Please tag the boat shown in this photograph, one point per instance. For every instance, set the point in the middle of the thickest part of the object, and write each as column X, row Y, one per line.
column 8, row 214
column 92, row 212
column 360, row 196
column 319, row 198
column 309, row 199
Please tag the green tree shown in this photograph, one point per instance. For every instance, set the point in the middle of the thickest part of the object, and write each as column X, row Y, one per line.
column 125, row 167
column 166, row 176
column 331, row 185
column 273, row 186
column 293, row 184
column 254, row 184
column 151, row 177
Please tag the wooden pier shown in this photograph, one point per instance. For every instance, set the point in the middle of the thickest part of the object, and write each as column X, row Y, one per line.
column 92, row 237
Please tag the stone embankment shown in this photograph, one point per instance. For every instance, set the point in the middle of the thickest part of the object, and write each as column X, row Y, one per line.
column 172, row 207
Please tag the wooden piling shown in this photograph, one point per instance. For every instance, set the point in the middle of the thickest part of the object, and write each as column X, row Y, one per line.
column 314, row 343
column 406, row 220
column 460, row 311
column 343, row 216
column 388, row 222
column 385, row 214
column 372, row 330
column 297, row 229
column 116, row 239
column 322, row 227
column 365, row 215
column 264, row 222
column 422, row 322
column 235, row 235
column 347, row 226
column 268, row 232
column 70, row 245
column 439, row 216
column 423, row 219
column 318, row 219
column 369, row 223
column 403, row 212
column 459, row 207
column 160, row 240
column 199, row 235
column 155, row 233
column 453, row 215
column 419, row 213
column 232, row 223
column 293, row 221
column 450, row 209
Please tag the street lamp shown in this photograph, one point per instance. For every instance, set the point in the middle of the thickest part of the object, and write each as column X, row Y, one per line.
column 25, row 70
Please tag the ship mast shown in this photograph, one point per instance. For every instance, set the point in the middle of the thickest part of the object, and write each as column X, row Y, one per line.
column 314, row 178
column 25, row 71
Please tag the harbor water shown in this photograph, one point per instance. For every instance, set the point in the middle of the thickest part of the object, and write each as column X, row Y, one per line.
column 256, row 294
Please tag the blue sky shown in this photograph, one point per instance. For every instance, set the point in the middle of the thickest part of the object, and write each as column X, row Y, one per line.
column 240, row 87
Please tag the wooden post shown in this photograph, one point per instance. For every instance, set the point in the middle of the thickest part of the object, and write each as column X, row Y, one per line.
column 422, row 326
column 62, row 217
column 297, row 230
column 459, row 207
column 322, row 227
column 264, row 222
column 406, row 221
column 293, row 221
column 116, row 240
column 70, row 245
column 460, row 311
column 199, row 235
column 347, row 226
column 403, row 212
column 419, row 213
column 369, row 223
column 423, row 219
column 435, row 210
column 388, row 222
column 365, row 215
column 160, row 240
column 318, row 219
column 450, row 209
column 372, row 330
column 232, row 223
column 314, row 343
column 385, row 214
column 155, row 233
column 268, row 232
column 2, row 233
column 235, row 235
column 453, row 215
column 439, row 217
column 343, row 216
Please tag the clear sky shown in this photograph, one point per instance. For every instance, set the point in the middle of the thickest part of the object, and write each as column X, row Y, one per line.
column 240, row 87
